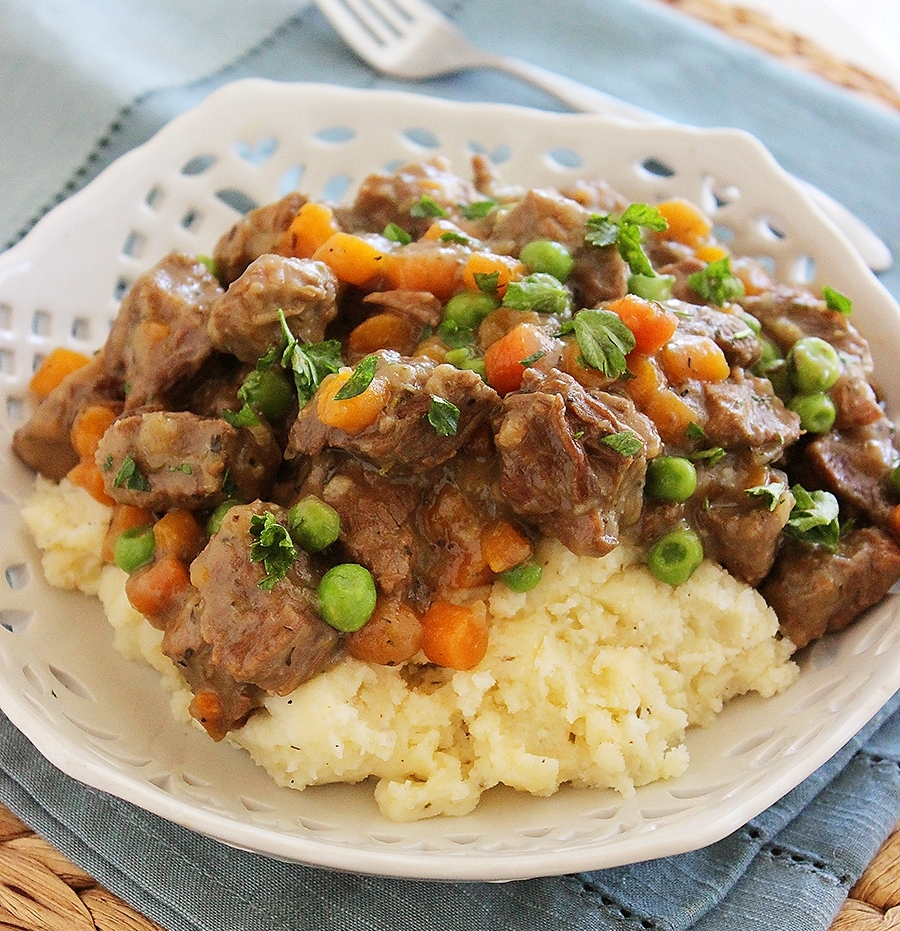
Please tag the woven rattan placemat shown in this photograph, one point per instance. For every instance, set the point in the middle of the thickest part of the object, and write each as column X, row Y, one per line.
column 41, row 890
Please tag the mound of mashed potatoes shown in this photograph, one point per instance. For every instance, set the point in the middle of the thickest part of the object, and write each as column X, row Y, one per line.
column 591, row 679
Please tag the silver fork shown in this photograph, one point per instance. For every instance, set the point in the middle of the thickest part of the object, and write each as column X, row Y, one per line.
column 411, row 39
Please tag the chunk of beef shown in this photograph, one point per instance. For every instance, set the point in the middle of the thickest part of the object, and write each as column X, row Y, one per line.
column 236, row 641
column 421, row 306
column 390, row 198
column 261, row 231
column 599, row 273
column 220, row 703
column 728, row 331
column 558, row 470
column 743, row 413
column 245, row 322
column 814, row 591
column 401, row 438
column 164, row 459
column 159, row 336
column 740, row 531
column 855, row 465
column 43, row 442
column 376, row 522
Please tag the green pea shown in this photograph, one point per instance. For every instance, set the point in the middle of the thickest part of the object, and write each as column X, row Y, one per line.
column 813, row 365
column 770, row 353
column 468, row 308
column 671, row 478
column 347, row 596
column 651, row 287
column 549, row 257
column 816, row 411
column 269, row 392
column 134, row 548
column 674, row 558
column 313, row 524
column 522, row 578
column 214, row 521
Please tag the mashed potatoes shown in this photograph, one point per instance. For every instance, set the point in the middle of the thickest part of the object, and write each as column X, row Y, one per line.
column 591, row 679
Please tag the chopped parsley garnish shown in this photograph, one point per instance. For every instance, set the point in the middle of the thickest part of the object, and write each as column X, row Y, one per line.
column 772, row 493
column 625, row 443
column 451, row 236
column 130, row 476
column 427, row 206
column 487, row 281
column 834, row 300
column 625, row 233
column 360, row 379
column 396, row 233
column 541, row 293
column 716, row 283
column 443, row 416
column 245, row 417
column 814, row 518
column 528, row 361
column 693, row 431
column 478, row 210
column 272, row 546
column 229, row 485
column 309, row 362
column 604, row 340
column 710, row 456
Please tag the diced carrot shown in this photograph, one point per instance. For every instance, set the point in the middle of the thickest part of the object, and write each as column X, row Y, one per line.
column 88, row 429
column 711, row 252
column 894, row 521
column 753, row 276
column 435, row 269
column 651, row 324
column 572, row 362
column 384, row 331
column 687, row 222
column 351, row 415
column 646, row 378
column 313, row 226
column 432, row 347
column 207, row 708
column 87, row 475
column 178, row 533
column 157, row 588
column 392, row 635
column 455, row 636
column 124, row 517
column 503, row 358
column 54, row 367
column 670, row 415
column 693, row 357
column 487, row 263
column 352, row 258
column 503, row 545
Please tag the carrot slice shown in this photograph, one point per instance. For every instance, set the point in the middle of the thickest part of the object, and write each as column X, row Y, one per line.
column 54, row 368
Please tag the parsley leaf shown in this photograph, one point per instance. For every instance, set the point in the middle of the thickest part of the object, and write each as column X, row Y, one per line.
column 478, row 210
column 716, row 283
column 245, row 417
column 309, row 362
column 772, row 492
column 834, row 300
column 604, row 340
column 427, row 206
column 603, row 230
column 814, row 518
column 710, row 456
column 625, row 443
column 396, row 233
column 452, row 236
column 359, row 379
column 272, row 546
column 539, row 292
column 130, row 476
column 487, row 281
column 443, row 415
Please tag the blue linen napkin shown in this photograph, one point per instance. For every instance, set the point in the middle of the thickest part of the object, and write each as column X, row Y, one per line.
column 790, row 868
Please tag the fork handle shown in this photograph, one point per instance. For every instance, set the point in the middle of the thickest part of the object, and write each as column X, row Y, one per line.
column 578, row 96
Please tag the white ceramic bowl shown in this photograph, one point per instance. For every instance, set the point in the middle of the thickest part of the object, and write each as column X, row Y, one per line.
column 106, row 721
